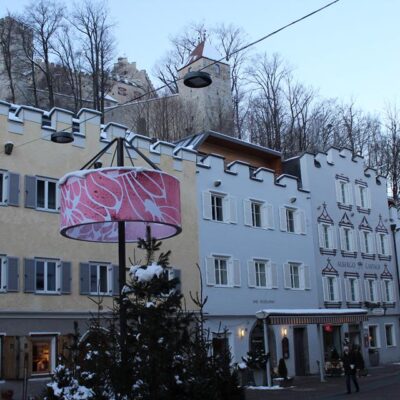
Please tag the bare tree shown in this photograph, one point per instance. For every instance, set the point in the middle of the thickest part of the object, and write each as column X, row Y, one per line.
column 91, row 21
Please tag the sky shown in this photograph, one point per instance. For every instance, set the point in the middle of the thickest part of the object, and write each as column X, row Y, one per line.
column 349, row 51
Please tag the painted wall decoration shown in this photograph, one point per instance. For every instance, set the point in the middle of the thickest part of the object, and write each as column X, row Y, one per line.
column 92, row 202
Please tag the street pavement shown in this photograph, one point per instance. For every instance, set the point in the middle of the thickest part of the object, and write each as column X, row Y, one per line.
column 382, row 383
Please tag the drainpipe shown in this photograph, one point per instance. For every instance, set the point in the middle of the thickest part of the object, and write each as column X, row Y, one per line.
column 393, row 229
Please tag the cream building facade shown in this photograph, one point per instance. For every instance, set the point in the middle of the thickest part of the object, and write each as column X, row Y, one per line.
column 45, row 281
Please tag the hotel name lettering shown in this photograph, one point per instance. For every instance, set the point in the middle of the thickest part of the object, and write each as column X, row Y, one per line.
column 357, row 265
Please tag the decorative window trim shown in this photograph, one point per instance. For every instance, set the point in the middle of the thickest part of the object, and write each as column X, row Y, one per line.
column 370, row 255
column 356, row 279
column 352, row 241
column 375, row 289
column 327, row 235
column 337, row 290
column 383, row 249
column 233, row 271
column 385, row 298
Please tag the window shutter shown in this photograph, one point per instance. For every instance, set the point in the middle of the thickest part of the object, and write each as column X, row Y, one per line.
column 177, row 275
column 378, row 244
column 362, row 242
column 358, row 195
column 30, row 191
column 247, row 213
column 12, row 274
column 226, row 209
column 357, row 289
column 321, row 236
column 301, row 222
column 232, row 210
column 29, row 275
column 207, row 213
column 338, row 296
column 282, row 218
column 384, row 296
column 274, row 274
column 387, row 245
column 377, row 291
column 13, row 189
column 371, row 243
column 338, row 192
column 307, row 277
column 236, row 273
column 347, row 289
column 286, row 276
column 58, row 194
column 368, row 197
column 302, row 277
column 270, row 217
column 332, row 238
column 367, row 294
column 264, row 216
column 353, row 240
column 349, row 193
column 66, row 277
column 251, row 273
column 342, row 237
column 84, row 278
column 325, row 288
column 115, row 280
column 210, row 271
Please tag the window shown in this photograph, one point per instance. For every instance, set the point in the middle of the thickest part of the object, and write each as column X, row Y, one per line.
column 366, row 243
column 292, row 220
column 389, row 334
column 100, row 279
column 343, row 192
column 326, row 236
column 382, row 242
column 373, row 334
column 352, row 290
column 47, row 276
column 258, row 214
column 347, row 239
column 261, row 274
column 296, row 276
column 222, row 270
column 331, row 288
column 219, row 207
column 43, row 354
column 387, row 291
column 371, row 290
column 46, row 194
column 363, row 199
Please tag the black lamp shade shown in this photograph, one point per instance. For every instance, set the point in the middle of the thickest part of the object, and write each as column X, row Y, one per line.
column 62, row 137
column 197, row 79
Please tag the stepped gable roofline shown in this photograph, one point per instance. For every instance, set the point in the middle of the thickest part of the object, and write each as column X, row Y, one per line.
column 195, row 141
column 89, row 110
column 203, row 50
column 29, row 108
column 62, row 110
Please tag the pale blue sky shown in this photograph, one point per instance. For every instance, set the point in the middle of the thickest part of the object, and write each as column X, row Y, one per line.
column 350, row 50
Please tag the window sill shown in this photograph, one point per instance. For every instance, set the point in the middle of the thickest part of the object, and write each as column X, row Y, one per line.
column 330, row 252
column 363, row 210
column 343, row 206
column 47, row 210
column 368, row 256
column 384, row 257
column 349, row 254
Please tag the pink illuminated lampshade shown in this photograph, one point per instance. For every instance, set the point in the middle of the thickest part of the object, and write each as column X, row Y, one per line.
column 94, row 201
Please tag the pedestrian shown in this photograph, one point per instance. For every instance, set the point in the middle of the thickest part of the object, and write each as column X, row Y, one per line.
column 349, row 366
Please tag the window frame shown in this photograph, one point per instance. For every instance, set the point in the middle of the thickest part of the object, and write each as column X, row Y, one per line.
column 374, row 289
column 369, row 243
column 57, row 281
column 215, row 207
column 292, row 276
column 255, row 214
column 290, row 211
column 383, row 244
column 334, row 295
column 217, row 267
column 46, row 182
column 259, row 263
column 388, row 290
column 356, row 282
column 327, row 233
column 109, row 277
column 51, row 338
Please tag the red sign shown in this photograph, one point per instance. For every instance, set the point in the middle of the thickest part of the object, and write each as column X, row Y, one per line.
column 328, row 328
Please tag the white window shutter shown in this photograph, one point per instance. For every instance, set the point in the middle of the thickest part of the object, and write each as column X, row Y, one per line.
column 378, row 244
column 321, row 236
column 384, row 296
column 300, row 221
column 207, row 213
column 302, row 277
column 353, row 240
column 338, row 285
column 264, row 216
column 368, row 197
column 251, row 273
column 210, row 271
column 342, row 238
column 371, row 243
column 232, row 210
column 338, row 192
column 358, row 195
column 347, row 289
column 270, row 216
column 307, row 277
column 377, row 291
column 247, row 213
column 286, row 276
column 325, row 288
column 282, row 218
column 357, row 289
column 332, row 238
column 349, row 193
column 268, row 272
column 274, row 276
column 362, row 241
column 226, row 209
column 236, row 273
column 387, row 245
column 367, row 294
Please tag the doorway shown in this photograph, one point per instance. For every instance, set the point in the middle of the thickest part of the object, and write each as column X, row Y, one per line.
column 301, row 360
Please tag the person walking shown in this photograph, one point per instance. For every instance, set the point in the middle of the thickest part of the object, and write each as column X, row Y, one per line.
column 349, row 366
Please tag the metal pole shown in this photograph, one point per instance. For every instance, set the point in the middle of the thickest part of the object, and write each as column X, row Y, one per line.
column 122, row 272
column 266, row 349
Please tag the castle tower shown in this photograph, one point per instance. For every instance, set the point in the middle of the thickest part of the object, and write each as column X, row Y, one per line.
column 213, row 104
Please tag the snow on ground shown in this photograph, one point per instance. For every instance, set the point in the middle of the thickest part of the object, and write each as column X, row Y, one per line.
column 264, row 387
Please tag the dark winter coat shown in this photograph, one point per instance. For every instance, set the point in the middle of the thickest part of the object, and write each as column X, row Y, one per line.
column 349, row 359
column 359, row 360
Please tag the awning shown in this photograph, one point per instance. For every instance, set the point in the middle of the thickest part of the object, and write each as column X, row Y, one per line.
column 313, row 316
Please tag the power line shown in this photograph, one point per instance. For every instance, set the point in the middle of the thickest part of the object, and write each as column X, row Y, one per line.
column 132, row 101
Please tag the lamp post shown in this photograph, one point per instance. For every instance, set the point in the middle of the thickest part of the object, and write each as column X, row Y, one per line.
column 263, row 316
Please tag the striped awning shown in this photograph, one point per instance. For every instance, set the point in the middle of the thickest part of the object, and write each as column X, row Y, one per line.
column 316, row 319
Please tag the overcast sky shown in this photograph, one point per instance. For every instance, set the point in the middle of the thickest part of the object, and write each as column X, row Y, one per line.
column 348, row 51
